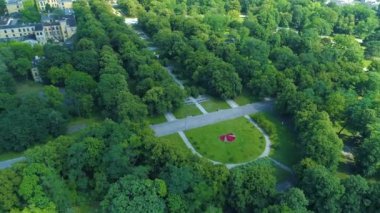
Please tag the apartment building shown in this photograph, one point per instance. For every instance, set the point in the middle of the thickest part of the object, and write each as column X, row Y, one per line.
column 14, row 6
column 61, row 4
column 57, row 30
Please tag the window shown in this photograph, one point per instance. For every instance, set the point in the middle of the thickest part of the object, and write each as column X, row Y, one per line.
column 5, row 31
column 19, row 30
column 12, row 31
column 23, row 29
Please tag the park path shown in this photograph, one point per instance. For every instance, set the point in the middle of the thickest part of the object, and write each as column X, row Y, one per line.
column 8, row 163
column 192, row 122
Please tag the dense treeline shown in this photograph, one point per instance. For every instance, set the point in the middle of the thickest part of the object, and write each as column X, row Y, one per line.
column 151, row 82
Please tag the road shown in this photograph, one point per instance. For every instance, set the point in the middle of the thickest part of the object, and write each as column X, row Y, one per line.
column 9, row 163
column 210, row 118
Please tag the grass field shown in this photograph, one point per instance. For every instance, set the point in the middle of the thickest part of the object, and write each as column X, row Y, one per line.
column 157, row 119
column 245, row 98
column 249, row 143
column 187, row 110
column 214, row 104
column 175, row 140
column 77, row 124
column 10, row 155
column 28, row 88
column 284, row 141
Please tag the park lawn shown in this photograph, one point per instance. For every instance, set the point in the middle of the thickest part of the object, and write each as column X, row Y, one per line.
column 176, row 141
column 283, row 138
column 345, row 168
column 245, row 98
column 157, row 119
column 249, row 143
column 28, row 88
column 77, row 124
column 214, row 104
column 10, row 155
column 187, row 110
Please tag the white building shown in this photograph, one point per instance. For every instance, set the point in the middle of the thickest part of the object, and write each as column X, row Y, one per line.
column 14, row 6
column 57, row 31
column 61, row 4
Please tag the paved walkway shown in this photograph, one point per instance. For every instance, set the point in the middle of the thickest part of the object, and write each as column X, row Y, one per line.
column 210, row 118
column 9, row 163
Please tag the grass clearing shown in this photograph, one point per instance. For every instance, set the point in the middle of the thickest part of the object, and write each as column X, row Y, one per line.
column 156, row 119
column 77, row 124
column 176, row 141
column 249, row 143
column 214, row 104
column 283, row 138
column 245, row 98
column 187, row 110
column 28, row 88
column 10, row 155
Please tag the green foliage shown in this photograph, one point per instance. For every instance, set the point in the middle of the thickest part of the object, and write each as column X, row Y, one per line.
column 3, row 7
column 29, row 122
column 30, row 12
column 322, row 189
column 130, row 7
column 354, row 198
column 368, row 154
column 80, row 89
column 129, row 194
column 252, row 186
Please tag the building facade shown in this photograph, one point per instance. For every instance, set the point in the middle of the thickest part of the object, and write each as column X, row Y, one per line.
column 14, row 6
column 57, row 31
column 61, row 4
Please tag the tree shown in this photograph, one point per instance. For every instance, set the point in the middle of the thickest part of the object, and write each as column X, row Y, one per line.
column 255, row 49
column 294, row 199
column 30, row 12
column 80, row 87
column 368, row 155
column 321, row 143
column 9, row 182
column 354, row 197
column 252, row 186
column 3, row 7
column 7, row 83
column 130, row 7
column 130, row 107
column 58, row 75
column 283, row 57
column 110, row 85
column 54, row 97
column 131, row 194
column 21, row 68
column 28, row 124
column 322, row 189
